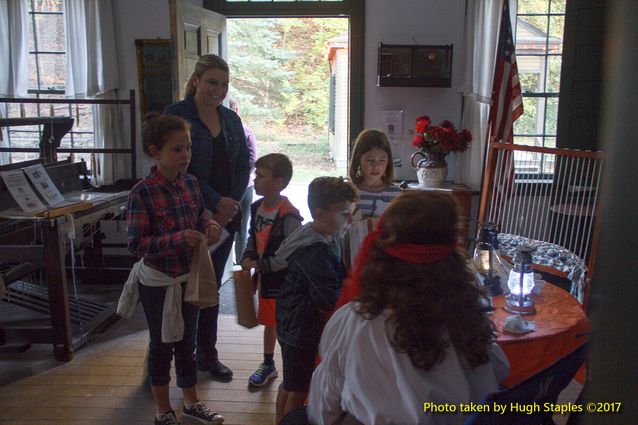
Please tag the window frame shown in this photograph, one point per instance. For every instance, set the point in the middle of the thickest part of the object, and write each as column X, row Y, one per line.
column 38, row 92
column 543, row 135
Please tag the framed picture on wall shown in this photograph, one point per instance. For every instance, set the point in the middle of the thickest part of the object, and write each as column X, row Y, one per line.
column 402, row 65
column 155, row 74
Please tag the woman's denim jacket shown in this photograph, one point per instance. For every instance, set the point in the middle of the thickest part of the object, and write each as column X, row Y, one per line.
column 202, row 150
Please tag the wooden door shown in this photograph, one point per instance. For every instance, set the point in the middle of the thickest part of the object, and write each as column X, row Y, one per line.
column 195, row 31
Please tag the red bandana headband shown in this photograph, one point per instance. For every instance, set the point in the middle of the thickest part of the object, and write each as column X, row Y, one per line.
column 410, row 253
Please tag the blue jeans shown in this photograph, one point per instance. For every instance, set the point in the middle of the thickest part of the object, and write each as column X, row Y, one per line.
column 160, row 353
column 207, row 322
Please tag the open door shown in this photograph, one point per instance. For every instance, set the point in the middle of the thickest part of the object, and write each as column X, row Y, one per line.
column 195, row 31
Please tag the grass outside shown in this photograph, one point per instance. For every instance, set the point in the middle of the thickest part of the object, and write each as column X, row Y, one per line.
column 308, row 152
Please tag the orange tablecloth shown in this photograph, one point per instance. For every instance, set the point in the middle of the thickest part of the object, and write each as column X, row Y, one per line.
column 561, row 327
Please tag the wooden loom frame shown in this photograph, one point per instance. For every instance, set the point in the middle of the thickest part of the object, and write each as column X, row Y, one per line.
column 488, row 194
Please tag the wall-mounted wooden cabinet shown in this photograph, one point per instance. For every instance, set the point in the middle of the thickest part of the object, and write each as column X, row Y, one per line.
column 404, row 65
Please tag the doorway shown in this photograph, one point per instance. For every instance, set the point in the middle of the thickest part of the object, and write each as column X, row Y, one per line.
column 290, row 79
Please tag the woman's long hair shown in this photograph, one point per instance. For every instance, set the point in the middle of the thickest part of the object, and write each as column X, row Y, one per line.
column 429, row 305
column 204, row 63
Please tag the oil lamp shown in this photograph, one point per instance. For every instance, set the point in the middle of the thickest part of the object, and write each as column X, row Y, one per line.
column 486, row 258
column 521, row 283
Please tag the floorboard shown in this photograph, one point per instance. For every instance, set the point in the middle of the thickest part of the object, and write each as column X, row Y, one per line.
column 103, row 384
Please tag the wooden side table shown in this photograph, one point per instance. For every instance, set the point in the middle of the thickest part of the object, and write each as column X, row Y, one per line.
column 561, row 327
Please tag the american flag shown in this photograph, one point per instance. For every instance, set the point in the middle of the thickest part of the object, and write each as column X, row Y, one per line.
column 507, row 106
column 507, row 103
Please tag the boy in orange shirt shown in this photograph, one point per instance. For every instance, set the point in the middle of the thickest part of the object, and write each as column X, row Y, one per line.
column 273, row 218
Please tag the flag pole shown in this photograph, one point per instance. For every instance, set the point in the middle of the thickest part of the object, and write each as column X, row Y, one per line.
column 506, row 103
column 487, row 152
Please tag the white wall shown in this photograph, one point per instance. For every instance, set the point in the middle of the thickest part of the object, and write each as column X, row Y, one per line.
column 139, row 19
column 390, row 22
column 398, row 22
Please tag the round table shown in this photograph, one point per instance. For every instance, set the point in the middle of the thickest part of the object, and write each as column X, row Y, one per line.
column 561, row 327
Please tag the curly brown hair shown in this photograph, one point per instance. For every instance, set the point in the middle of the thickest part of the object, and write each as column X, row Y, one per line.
column 429, row 305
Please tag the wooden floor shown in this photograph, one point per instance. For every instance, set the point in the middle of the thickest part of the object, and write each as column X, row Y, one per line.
column 103, row 384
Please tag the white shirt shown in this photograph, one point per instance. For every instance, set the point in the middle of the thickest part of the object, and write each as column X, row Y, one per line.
column 172, row 319
column 362, row 374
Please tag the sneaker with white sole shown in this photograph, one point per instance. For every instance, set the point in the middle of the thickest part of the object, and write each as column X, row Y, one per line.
column 262, row 375
column 203, row 414
column 167, row 418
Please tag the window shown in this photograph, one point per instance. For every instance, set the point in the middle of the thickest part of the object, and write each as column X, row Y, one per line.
column 539, row 50
column 47, row 59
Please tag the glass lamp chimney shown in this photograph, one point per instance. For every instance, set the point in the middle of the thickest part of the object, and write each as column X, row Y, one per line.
column 486, row 256
column 521, row 283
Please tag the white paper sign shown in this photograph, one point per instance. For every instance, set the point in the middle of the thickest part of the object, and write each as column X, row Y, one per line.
column 22, row 192
column 392, row 124
column 43, row 184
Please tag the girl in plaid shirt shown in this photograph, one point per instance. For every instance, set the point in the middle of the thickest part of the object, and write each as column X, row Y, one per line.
column 166, row 220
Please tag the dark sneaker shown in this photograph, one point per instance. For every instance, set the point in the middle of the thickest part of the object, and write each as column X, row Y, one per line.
column 167, row 418
column 203, row 414
column 217, row 370
column 262, row 375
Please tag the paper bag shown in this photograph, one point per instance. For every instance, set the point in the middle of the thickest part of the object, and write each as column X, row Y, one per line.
column 201, row 286
column 244, row 291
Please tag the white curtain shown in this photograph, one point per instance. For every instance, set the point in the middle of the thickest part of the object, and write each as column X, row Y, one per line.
column 91, row 65
column 482, row 19
column 92, row 71
column 14, row 73
column 109, row 133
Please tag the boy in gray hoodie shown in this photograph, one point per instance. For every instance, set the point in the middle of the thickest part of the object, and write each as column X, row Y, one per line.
column 312, row 285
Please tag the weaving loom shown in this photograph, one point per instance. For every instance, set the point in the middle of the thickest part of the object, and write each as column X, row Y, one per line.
column 44, row 260
column 548, row 199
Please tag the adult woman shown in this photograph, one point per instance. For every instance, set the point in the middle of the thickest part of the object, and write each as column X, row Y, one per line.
column 417, row 326
column 220, row 162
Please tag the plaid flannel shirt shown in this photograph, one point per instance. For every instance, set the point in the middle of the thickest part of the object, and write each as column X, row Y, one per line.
column 159, row 211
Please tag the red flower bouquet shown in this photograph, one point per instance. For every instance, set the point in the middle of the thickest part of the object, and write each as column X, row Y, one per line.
column 439, row 139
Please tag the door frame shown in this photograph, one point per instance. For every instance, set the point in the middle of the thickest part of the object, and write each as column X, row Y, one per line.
column 352, row 9
column 206, row 22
